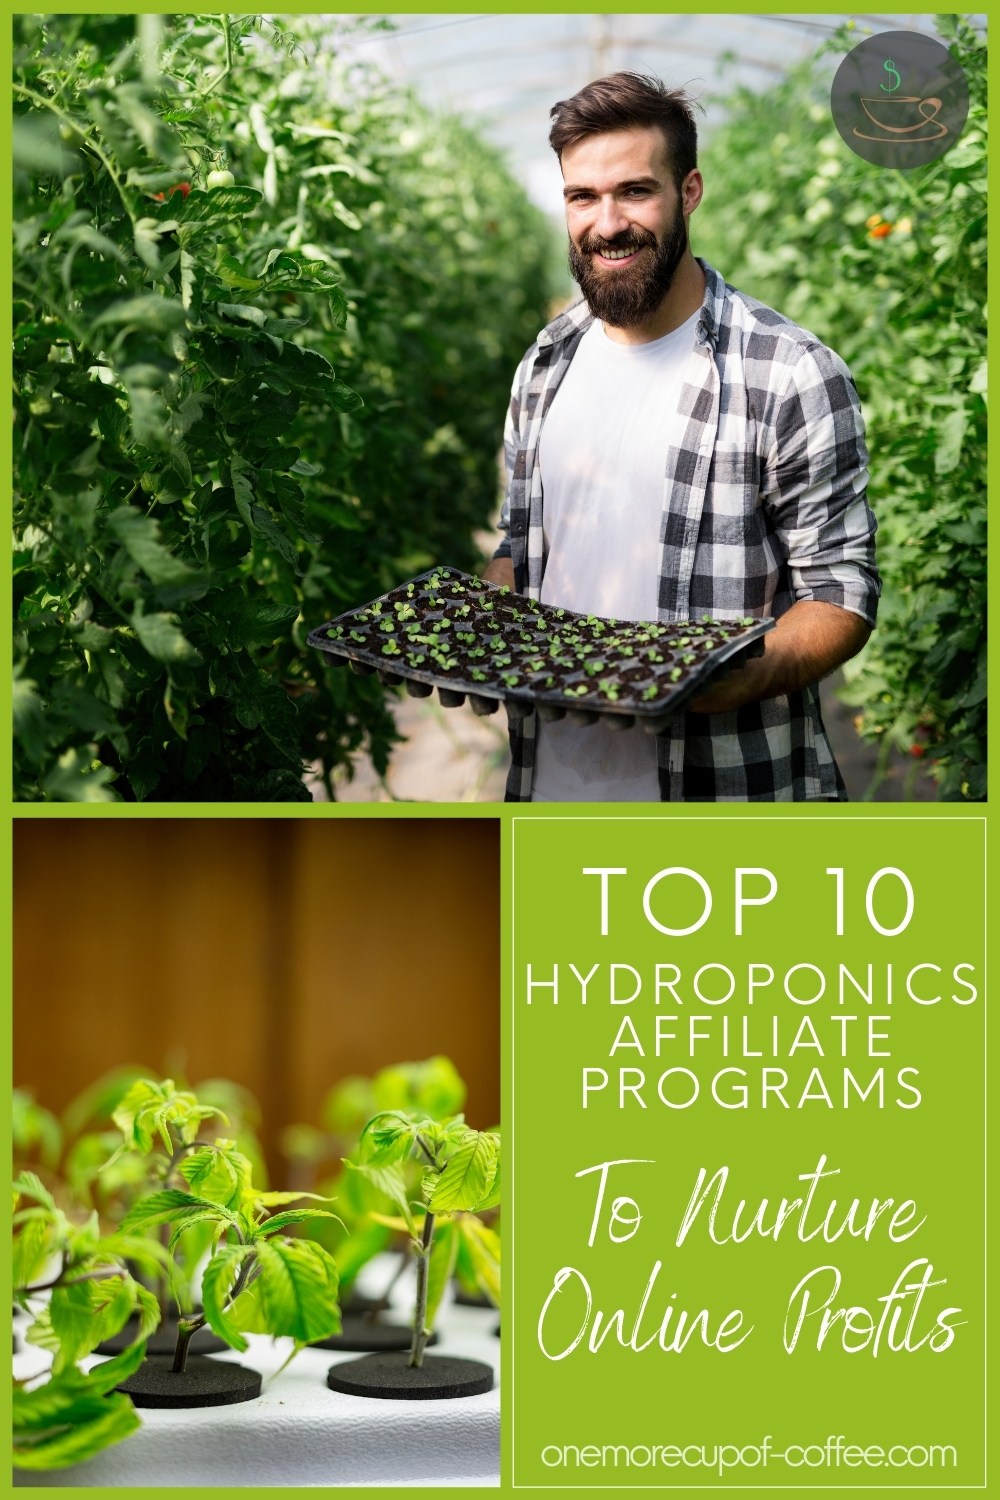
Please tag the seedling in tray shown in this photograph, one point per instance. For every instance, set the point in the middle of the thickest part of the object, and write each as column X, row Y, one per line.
column 472, row 639
column 71, row 1416
column 257, row 1279
column 461, row 1177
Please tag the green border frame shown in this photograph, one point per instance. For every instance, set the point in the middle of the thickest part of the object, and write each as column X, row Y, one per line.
column 422, row 809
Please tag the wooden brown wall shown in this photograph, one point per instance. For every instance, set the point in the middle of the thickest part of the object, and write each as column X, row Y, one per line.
column 283, row 954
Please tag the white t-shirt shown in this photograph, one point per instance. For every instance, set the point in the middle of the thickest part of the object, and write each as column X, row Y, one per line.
column 603, row 457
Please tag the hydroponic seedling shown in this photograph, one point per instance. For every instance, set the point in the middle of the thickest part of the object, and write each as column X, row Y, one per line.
column 472, row 638
column 296, row 1279
column 460, row 1178
column 432, row 1087
column 72, row 1416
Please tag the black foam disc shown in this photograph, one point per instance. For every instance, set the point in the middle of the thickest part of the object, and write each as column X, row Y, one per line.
column 441, row 1377
column 368, row 1336
column 204, row 1382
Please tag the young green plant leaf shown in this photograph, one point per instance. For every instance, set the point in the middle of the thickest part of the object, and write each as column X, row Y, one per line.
column 83, row 1313
column 468, row 1176
column 171, row 1206
column 440, row 1267
column 293, row 1216
column 73, row 1416
column 298, row 1289
column 217, row 1285
column 390, row 1181
column 479, row 1255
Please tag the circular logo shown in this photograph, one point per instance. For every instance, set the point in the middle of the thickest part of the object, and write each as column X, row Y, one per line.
column 900, row 99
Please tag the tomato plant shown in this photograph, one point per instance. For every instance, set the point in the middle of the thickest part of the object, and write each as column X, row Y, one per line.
column 240, row 407
column 889, row 267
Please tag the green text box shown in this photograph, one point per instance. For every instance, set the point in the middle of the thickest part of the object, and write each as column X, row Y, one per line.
column 821, row 1041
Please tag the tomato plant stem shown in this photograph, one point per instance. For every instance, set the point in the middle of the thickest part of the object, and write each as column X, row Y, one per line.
column 420, row 1330
column 88, row 141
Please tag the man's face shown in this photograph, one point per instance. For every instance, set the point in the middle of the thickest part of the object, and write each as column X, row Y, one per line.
column 626, row 223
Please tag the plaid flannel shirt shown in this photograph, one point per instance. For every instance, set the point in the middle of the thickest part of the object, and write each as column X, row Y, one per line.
column 764, row 504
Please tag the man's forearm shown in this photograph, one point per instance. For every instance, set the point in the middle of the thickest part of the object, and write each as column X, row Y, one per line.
column 810, row 641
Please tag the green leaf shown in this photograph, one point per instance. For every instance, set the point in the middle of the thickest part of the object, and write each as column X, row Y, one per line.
column 216, row 1286
column 444, row 1248
column 140, row 536
column 390, row 1181
column 219, row 1174
column 243, row 312
column 949, row 443
column 150, row 312
column 163, row 639
column 232, row 273
column 274, row 534
column 261, row 621
column 220, row 202
column 73, row 1429
column 492, row 1198
column 30, row 727
column 298, row 1289
column 83, row 1313
column 433, row 1087
column 241, row 477
column 148, row 1307
column 274, row 1200
column 344, row 398
column 30, row 1185
column 78, row 777
column 481, row 1245
column 31, row 1252
column 171, row 1206
column 295, row 1216
column 467, row 1177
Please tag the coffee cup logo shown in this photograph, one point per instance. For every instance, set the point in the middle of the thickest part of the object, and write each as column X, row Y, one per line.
column 900, row 99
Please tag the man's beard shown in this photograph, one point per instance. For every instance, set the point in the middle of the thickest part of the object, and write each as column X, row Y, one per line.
column 627, row 297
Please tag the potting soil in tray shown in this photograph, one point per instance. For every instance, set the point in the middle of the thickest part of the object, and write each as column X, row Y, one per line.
column 449, row 630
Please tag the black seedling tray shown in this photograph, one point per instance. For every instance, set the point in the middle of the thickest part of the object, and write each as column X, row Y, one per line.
column 470, row 639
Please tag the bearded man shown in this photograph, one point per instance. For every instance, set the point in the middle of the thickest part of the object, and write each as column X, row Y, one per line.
column 677, row 450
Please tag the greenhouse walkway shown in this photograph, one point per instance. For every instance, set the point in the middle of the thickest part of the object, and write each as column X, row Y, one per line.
column 450, row 755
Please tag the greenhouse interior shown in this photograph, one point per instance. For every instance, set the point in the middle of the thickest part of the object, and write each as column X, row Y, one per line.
column 380, row 215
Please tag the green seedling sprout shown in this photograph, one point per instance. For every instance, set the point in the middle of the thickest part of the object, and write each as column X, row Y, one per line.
column 71, row 1416
column 433, row 1087
column 257, row 1280
column 460, row 1177
column 167, row 1140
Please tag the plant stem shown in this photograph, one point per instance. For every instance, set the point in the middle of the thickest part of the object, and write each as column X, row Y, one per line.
column 185, row 1328
column 88, row 141
column 420, row 1332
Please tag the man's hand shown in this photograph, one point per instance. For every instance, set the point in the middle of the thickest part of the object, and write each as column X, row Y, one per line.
column 810, row 641
column 501, row 571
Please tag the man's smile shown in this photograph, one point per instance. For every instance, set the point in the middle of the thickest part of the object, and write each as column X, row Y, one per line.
column 617, row 257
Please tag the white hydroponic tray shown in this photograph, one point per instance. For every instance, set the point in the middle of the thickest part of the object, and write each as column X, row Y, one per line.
column 300, row 1433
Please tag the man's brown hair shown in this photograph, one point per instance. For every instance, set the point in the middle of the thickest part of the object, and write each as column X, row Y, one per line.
column 621, row 101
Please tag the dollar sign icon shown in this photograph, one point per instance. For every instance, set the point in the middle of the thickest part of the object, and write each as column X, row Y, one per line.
column 890, row 68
